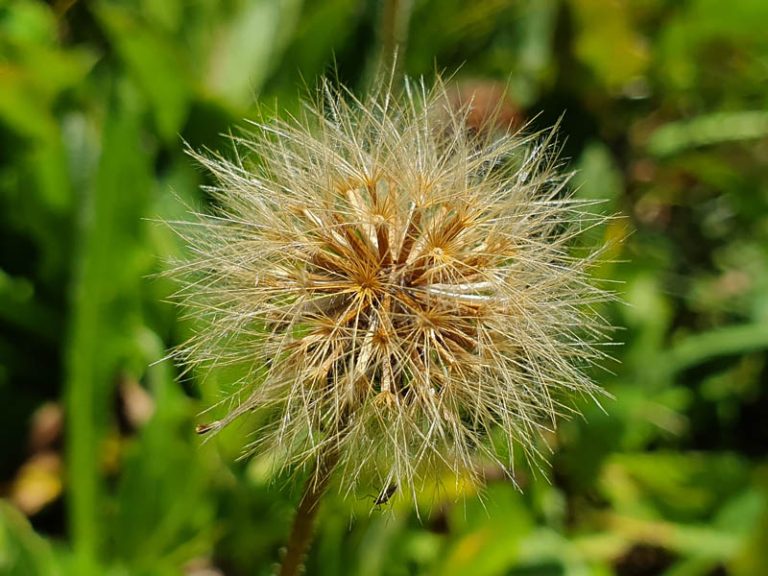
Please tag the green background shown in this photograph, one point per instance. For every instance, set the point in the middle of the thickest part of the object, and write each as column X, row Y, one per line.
column 665, row 109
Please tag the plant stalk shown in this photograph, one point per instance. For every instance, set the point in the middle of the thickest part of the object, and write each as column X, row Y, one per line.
column 302, row 530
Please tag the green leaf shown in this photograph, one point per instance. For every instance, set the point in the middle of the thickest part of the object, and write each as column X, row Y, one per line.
column 104, row 300
column 488, row 545
column 154, row 61
column 718, row 128
column 22, row 552
column 246, row 47
column 607, row 42
column 731, row 340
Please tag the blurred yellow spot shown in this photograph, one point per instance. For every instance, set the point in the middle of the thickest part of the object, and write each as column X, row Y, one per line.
column 38, row 483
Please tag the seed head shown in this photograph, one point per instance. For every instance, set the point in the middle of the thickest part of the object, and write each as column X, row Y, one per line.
column 398, row 286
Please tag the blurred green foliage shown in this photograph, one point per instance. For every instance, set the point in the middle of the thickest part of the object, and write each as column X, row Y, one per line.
column 665, row 116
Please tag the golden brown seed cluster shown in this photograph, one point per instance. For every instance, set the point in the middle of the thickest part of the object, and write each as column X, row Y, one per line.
column 394, row 285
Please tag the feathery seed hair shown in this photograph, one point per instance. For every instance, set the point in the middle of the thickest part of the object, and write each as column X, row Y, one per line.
column 398, row 286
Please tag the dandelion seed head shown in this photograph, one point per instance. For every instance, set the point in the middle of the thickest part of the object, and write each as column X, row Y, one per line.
column 395, row 284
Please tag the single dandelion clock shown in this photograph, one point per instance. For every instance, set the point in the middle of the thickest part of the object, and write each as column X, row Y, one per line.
column 400, row 288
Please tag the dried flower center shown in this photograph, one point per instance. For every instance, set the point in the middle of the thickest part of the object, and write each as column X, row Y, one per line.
column 394, row 294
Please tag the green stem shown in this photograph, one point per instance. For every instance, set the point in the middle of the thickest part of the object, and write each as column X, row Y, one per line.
column 302, row 530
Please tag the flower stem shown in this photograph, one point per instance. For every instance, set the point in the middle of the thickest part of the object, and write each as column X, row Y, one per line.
column 303, row 523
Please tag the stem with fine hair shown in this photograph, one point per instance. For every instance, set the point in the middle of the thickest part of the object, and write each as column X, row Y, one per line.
column 302, row 530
